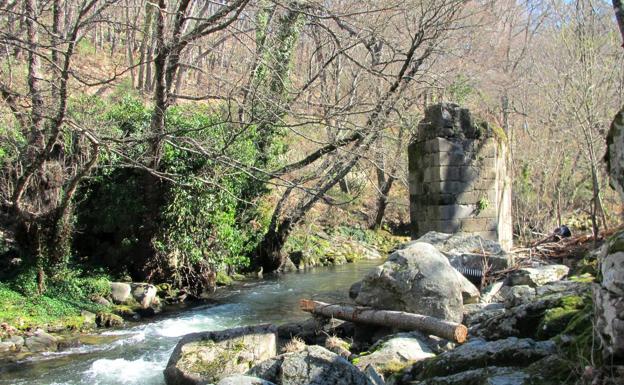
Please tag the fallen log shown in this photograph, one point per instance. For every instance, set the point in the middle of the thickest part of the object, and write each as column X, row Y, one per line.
column 451, row 331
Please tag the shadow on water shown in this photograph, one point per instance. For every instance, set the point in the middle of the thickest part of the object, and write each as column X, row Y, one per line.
column 139, row 354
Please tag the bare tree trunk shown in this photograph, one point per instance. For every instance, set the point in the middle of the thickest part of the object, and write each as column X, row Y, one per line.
column 384, row 185
column 130, row 43
column 144, row 55
column 56, row 30
column 619, row 15
column 382, row 202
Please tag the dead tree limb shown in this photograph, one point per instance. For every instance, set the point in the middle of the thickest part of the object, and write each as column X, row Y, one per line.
column 408, row 321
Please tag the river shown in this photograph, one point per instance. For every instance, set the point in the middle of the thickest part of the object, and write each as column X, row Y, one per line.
column 138, row 354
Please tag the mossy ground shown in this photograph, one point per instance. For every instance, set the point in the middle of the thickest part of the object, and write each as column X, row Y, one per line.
column 557, row 318
column 316, row 246
column 225, row 357
column 58, row 308
column 28, row 312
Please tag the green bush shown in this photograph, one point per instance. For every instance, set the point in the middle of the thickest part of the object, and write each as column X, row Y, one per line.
column 213, row 215
column 66, row 296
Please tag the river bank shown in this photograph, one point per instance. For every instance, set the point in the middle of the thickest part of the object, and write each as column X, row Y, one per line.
column 137, row 355
column 77, row 306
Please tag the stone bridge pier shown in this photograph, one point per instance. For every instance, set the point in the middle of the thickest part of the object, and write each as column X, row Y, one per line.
column 458, row 176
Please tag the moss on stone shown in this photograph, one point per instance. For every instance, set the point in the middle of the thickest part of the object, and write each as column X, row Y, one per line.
column 212, row 370
column 499, row 134
column 616, row 242
column 222, row 279
column 557, row 318
column 583, row 278
column 126, row 310
column 394, row 367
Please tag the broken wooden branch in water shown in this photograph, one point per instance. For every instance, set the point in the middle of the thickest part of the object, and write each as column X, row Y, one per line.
column 451, row 331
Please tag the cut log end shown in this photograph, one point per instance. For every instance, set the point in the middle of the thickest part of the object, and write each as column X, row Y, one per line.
column 306, row 305
column 461, row 333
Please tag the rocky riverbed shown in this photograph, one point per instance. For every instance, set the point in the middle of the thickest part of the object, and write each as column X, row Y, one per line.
column 533, row 326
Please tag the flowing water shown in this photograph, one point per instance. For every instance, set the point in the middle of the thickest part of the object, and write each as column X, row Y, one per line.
column 139, row 354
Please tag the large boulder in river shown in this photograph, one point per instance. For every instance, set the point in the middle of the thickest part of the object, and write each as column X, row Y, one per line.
column 416, row 279
column 120, row 292
column 312, row 366
column 145, row 294
column 208, row 357
column 467, row 250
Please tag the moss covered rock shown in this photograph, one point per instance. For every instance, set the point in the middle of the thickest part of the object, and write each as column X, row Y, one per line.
column 208, row 357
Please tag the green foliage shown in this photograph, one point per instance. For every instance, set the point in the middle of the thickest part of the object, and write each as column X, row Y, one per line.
column 557, row 318
column 483, row 204
column 67, row 294
column 11, row 141
column 460, row 89
column 85, row 47
column 129, row 116
column 211, row 215
column 312, row 246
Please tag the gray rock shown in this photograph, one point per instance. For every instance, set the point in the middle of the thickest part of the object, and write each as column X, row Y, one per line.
column 558, row 287
column 314, row 331
column 417, row 279
column 312, row 366
column 447, row 120
column 482, row 376
column 397, row 350
column 374, row 376
column 612, row 269
column 538, row 276
column 144, row 294
column 609, row 310
column 41, row 342
column 88, row 317
column 479, row 312
column 108, row 320
column 608, row 296
column 101, row 301
column 491, row 293
column 516, row 295
column 354, row 290
column 465, row 250
column 243, row 380
column 615, row 153
column 120, row 292
column 522, row 320
column 208, row 357
column 478, row 353
column 7, row 346
column 18, row 341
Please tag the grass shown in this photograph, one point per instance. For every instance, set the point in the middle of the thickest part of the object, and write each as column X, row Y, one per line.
column 59, row 307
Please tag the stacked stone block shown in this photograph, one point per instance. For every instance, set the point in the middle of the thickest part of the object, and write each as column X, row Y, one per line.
column 457, row 177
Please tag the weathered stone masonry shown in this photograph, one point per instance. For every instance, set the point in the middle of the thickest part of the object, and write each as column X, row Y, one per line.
column 458, row 177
